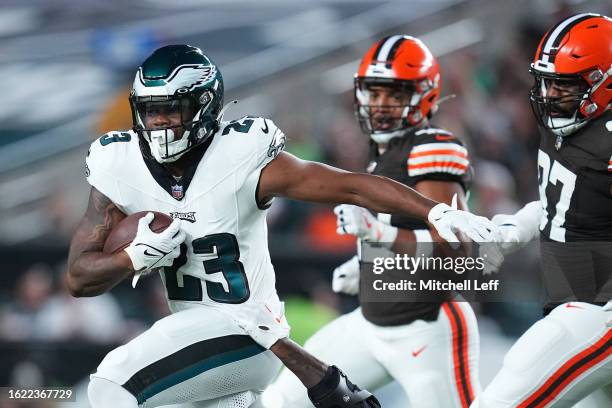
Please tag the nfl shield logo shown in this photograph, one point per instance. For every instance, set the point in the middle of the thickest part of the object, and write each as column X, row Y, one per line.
column 177, row 191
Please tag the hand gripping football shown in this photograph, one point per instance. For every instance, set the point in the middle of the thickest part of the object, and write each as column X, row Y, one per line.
column 124, row 233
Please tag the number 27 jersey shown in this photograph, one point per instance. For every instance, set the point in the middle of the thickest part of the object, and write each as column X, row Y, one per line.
column 224, row 259
column 575, row 180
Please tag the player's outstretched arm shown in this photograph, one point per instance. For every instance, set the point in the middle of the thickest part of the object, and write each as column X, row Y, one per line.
column 90, row 271
column 293, row 178
column 327, row 385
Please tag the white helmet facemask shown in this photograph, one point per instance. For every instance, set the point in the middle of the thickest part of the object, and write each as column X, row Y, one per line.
column 163, row 143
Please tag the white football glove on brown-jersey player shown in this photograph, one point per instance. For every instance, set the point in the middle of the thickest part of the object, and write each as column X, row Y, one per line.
column 346, row 277
column 361, row 223
column 516, row 231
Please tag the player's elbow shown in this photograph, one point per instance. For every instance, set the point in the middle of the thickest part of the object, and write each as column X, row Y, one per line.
column 74, row 287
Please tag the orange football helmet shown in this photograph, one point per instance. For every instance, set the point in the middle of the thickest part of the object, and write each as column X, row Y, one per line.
column 405, row 65
column 576, row 54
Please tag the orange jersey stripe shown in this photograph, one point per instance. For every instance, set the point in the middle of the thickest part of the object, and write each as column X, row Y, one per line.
column 450, row 152
column 437, row 164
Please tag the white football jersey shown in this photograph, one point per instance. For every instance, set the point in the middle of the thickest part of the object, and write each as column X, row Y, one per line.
column 225, row 259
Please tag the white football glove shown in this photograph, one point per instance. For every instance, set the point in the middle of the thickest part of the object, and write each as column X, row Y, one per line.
column 346, row 277
column 493, row 253
column 150, row 250
column 448, row 220
column 516, row 231
column 361, row 223
column 265, row 322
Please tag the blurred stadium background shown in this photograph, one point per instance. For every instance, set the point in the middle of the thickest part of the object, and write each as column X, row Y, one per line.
column 66, row 69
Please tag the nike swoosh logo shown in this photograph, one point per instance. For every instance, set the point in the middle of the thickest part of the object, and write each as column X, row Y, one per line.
column 416, row 353
column 569, row 305
column 266, row 130
column 443, row 138
column 278, row 320
column 365, row 219
column 147, row 253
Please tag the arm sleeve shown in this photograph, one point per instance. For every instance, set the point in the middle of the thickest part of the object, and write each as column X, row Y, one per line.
column 98, row 165
column 269, row 144
column 438, row 155
column 255, row 148
column 435, row 155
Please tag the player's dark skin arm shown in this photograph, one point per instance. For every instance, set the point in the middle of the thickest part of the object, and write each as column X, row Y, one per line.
column 307, row 368
column 90, row 271
column 290, row 177
column 441, row 191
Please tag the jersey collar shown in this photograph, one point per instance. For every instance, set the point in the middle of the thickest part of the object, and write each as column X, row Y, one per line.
column 163, row 177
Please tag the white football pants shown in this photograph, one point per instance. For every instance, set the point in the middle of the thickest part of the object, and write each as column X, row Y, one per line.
column 557, row 362
column 198, row 354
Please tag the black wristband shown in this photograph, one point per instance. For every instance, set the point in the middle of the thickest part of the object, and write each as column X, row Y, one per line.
column 327, row 385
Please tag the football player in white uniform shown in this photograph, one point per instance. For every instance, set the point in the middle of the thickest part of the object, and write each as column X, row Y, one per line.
column 216, row 179
column 567, row 355
column 430, row 348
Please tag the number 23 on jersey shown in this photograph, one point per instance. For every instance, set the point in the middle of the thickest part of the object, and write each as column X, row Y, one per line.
column 224, row 254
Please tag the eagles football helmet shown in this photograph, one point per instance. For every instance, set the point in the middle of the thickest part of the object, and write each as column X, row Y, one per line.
column 407, row 66
column 576, row 55
column 178, row 82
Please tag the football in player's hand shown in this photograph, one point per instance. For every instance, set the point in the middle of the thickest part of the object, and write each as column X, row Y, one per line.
column 124, row 233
